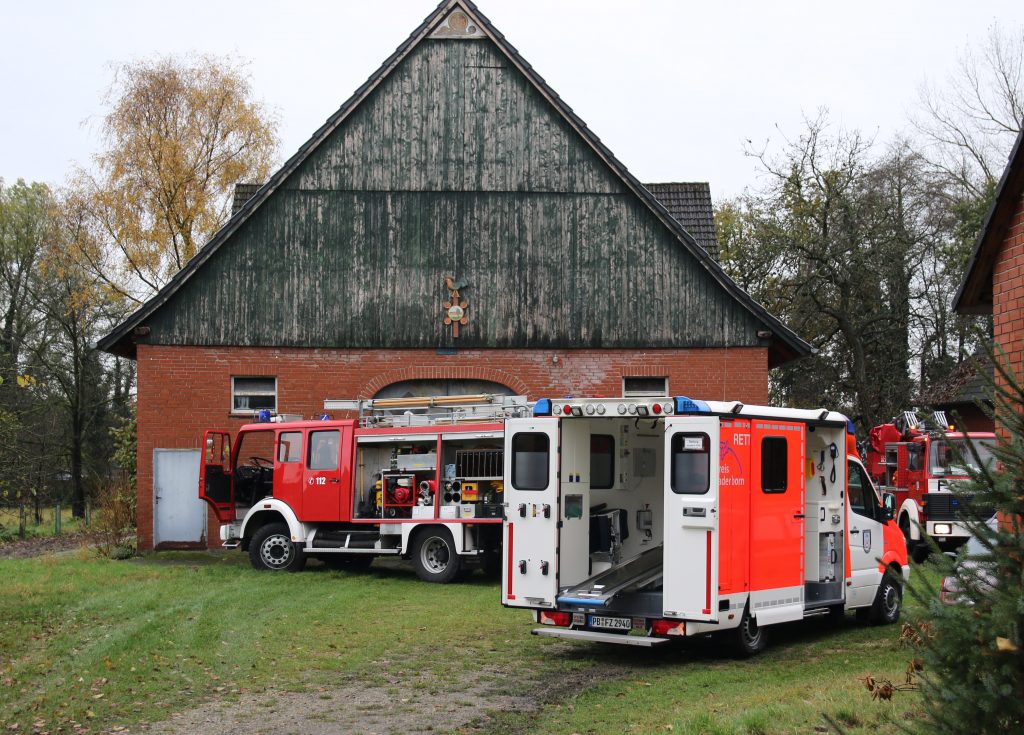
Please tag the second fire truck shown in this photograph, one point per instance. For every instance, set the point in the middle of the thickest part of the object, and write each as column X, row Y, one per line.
column 921, row 465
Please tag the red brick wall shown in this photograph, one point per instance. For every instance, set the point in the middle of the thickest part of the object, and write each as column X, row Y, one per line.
column 1008, row 292
column 185, row 390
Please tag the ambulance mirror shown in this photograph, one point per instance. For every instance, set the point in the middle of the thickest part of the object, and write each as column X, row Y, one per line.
column 889, row 501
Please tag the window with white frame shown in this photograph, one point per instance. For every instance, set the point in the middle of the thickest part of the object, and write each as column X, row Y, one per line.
column 646, row 386
column 250, row 395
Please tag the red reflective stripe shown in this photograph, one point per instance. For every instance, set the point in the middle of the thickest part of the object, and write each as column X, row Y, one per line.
column 508, row 571
column 707, row 596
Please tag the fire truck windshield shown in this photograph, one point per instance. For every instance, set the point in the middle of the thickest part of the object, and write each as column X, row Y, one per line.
column 954, row 456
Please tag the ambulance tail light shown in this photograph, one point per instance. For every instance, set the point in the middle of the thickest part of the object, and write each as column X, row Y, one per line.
column 542, row 407
column 656, row 409
column 668, row 627
column 667, row 408
column 561, row 619
column 567, row 409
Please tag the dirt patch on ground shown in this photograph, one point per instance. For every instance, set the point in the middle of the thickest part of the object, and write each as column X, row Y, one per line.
column 43, row 545
column 404, row 705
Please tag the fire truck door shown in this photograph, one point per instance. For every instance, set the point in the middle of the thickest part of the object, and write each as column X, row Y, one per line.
column 216, row 486
column 690, row 580
column 530, row 549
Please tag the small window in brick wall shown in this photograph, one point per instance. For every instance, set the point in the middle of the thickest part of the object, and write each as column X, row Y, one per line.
column 644, row 386
column 250, row 395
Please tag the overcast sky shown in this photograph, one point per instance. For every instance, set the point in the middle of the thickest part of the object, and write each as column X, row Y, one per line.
column 673, row 88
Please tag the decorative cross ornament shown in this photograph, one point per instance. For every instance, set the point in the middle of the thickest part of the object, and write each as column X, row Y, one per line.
column 455, row 308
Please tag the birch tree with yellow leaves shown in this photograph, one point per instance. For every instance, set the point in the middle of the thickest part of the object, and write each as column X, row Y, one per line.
column 179, row 133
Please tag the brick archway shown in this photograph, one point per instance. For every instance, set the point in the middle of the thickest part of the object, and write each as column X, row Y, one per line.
column 465, row 372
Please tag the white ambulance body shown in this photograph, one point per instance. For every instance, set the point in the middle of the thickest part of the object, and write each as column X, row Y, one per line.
column 638, row 520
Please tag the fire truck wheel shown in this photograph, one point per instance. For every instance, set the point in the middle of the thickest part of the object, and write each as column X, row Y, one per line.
column 272, row 549
column 434, row 557
column 886, row 608
column 748, row 639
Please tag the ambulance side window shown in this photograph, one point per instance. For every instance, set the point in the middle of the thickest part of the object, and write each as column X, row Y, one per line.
column 862, row 497
column 691, row 464
column 531, row 457
column 774, row 464
column 602, row 461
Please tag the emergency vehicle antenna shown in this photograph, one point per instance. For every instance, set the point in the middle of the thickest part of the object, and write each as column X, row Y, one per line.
column 430, row 410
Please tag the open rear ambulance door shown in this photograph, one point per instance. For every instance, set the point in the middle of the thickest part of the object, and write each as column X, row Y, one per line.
column 216, row 485
column 690, row 581
column 530, row 548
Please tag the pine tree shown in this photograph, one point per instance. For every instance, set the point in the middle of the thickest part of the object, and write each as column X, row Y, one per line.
column 973, row 676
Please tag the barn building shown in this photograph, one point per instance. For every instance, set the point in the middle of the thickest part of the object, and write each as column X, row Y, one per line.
column 454, row 168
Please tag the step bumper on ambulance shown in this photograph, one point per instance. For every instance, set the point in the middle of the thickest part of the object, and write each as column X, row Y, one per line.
column 598, row 637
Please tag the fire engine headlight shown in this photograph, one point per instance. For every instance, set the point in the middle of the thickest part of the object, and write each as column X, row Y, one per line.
column 943, row 529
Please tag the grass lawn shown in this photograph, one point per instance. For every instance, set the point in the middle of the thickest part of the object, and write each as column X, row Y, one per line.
column 90, row 645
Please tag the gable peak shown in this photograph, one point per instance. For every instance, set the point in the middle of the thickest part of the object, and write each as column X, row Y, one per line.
column 458, row 25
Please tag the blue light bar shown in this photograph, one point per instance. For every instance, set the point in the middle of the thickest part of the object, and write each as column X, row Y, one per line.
column 542, row 407
column 690, row 405
column 263, row 417
column 850, row 428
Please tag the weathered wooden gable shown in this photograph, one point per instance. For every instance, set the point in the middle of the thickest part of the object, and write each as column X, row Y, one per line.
column 454, row 165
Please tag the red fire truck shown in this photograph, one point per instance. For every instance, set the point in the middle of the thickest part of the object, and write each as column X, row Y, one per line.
column 419, row 478
column 638, row 521
column 920, row 465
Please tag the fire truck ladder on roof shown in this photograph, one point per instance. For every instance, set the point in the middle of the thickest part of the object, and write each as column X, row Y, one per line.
column 633, row 574
column 430, row 410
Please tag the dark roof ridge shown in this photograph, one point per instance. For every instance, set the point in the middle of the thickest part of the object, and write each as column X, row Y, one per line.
column 969, row 295
column 788, row 347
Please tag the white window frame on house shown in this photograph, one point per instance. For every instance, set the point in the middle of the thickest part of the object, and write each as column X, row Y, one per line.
column 244, row 392
column 646, row 391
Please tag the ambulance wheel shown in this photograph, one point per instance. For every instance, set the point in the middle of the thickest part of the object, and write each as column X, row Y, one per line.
column 748, row 639
column 886, row 608
column 272, row 549
column 347, row 562
column 434, row 557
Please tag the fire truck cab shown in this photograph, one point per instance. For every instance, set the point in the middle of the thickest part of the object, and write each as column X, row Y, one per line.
column 920, row 466
column 418, row 478
column 639, row 521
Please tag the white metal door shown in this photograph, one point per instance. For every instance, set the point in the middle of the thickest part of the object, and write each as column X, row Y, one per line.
column 529, row 552
column 690, row 581
column 179, row 516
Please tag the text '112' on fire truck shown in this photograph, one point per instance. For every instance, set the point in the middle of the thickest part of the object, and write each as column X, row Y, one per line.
column 640, row 521
column 419, row 478
column 920, row 466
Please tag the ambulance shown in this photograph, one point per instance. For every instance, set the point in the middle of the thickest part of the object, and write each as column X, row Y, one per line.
column 643, row 521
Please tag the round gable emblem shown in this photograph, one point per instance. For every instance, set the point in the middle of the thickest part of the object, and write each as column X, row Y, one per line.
column 456, row 312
